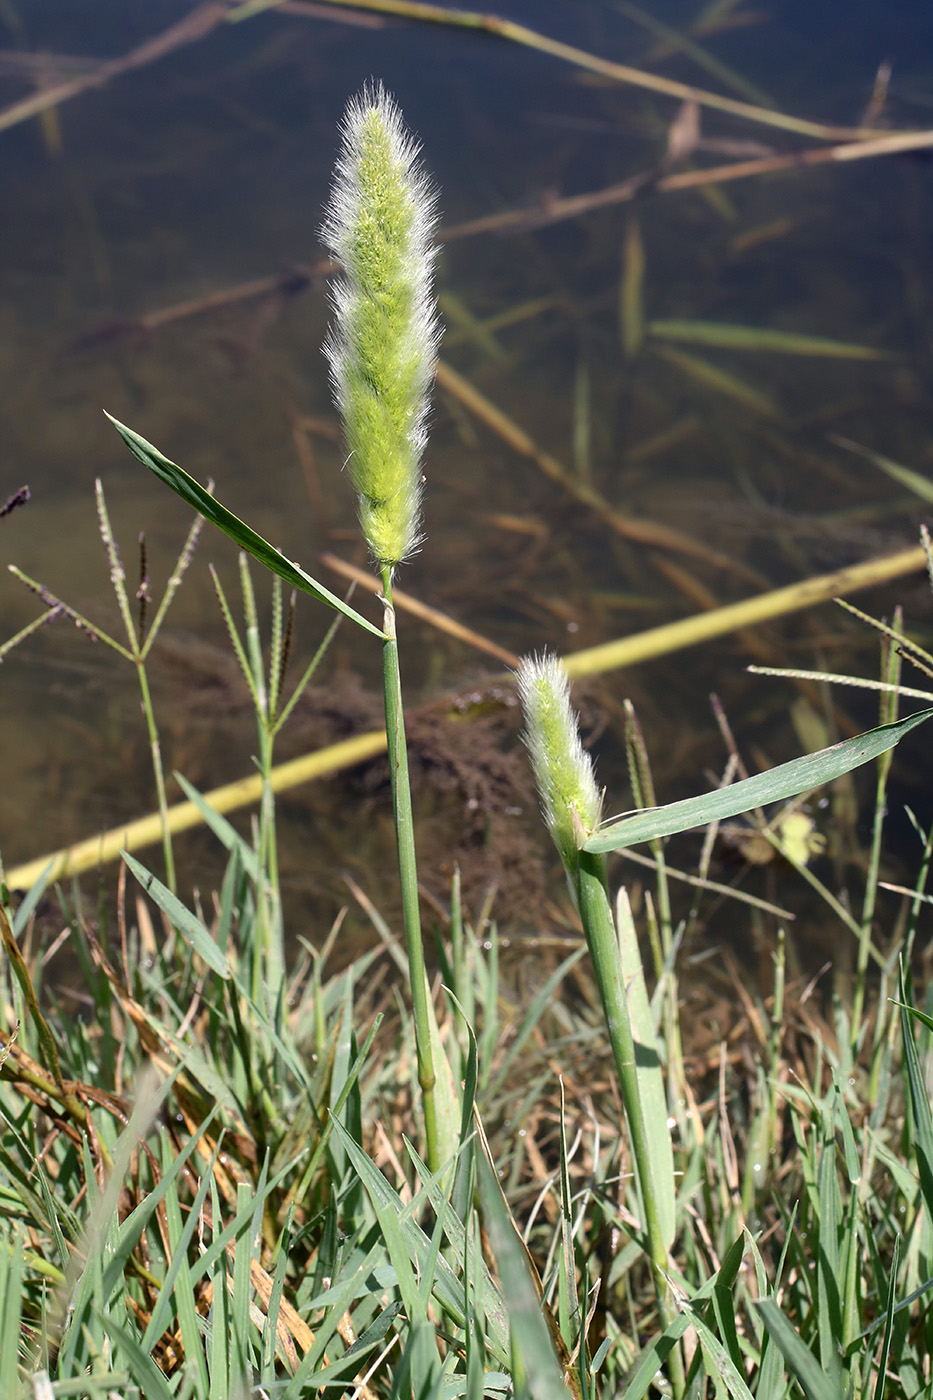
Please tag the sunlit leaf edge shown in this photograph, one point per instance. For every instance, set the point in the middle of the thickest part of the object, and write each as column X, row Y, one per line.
column 190, row 927
column 242, row 535
column 812, row 770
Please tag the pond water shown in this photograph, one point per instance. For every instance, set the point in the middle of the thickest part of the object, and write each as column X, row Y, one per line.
column 138, row 213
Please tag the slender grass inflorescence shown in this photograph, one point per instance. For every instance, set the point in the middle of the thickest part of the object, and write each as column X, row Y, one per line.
column 382, row 347
column 382, row 350
column 563, row 769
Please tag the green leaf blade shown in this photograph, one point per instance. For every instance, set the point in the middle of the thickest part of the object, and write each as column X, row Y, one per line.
column 242, row 535
column 800, row 1361
column 648, row 1072
column 916, row 482
column 777, row 785
column 727, row 336
column 190, row 928
column 922, row 1135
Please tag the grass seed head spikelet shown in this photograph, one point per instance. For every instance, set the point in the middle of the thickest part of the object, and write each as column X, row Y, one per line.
column 562, row 767
column 382, row 346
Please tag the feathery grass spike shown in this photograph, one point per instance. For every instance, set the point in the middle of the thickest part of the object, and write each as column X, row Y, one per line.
column 563, row 769
column 383, row 344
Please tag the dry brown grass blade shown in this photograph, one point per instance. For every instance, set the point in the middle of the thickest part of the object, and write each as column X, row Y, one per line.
column 442, row 621
column 32, row 1081
column 642, row 531
column 201, row 21
column 189, row 30
column 195, row 26
column 548, row 211
column 290, row 1326
column 287, row 283
column 49, row 1079
column 591, row 63
column 555, row 211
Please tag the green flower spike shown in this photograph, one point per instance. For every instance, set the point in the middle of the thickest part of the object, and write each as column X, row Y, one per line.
column 563, row 769
column 382, row 347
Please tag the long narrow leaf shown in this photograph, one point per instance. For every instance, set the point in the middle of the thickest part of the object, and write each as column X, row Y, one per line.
column 486, row 1292
column 888, row 1325
column 225, row 832
column 191, row 928
column 177, row 1281
column 11, row 1306
column 736, row 337
column 787, row 780
column 532, row 1016
column 143, row 1368
column 648, row 1072
column 719, row 1363
column 649, row 1365
column 916, row 482
column 530, row 1336
column 242, row 535
column 130, row 1230
column 814, row 1382
column 919, row 1099
column 828, row 1279
column 723, row 1302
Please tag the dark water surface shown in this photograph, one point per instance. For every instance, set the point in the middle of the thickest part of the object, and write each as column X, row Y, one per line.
column 209, row 168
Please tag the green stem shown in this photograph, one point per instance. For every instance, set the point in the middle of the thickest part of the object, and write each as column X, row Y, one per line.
column 868, row 904
column 268, row 953
column 408, row 872
column 602, row 941
column 156, row 752
column 890, row 672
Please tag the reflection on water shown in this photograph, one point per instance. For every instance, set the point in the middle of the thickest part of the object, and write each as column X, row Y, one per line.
column 208, row 169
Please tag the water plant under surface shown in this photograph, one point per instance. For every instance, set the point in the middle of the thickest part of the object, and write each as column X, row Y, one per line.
column 211, row 1186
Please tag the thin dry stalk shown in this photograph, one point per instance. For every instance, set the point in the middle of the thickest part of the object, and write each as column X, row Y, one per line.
column 642, row 531
column 592, row 63
column 194, row 27
column 406, row 602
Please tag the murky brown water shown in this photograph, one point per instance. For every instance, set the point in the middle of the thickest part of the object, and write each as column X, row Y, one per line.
column 209, row 168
